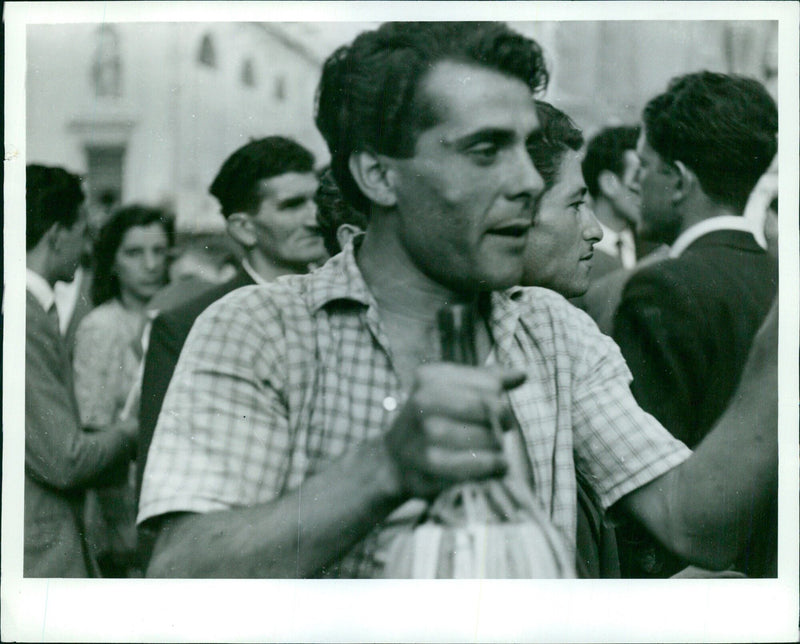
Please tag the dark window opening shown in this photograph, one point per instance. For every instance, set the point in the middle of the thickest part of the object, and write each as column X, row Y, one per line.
column 207, row 55
column 248, row 74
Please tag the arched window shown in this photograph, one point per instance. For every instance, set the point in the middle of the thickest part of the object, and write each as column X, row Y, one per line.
column 248, row 73
column 207, row 55
column 106, row 63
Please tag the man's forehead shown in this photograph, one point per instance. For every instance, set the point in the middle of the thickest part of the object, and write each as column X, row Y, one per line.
column 641, row 141
column 470, row 96
column 630, row 161
column 570, row 175
column 644, row 150
column 286, row 183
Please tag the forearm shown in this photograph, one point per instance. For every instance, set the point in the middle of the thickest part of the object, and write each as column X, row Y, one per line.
column 84, row 462
column 706, row 508
column 293, row 536
column 727, row 485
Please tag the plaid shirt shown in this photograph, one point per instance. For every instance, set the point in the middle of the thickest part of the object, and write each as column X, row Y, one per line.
column 276, row 380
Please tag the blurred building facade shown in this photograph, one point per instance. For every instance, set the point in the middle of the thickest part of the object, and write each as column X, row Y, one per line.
column 149, row 111
column 603, row 73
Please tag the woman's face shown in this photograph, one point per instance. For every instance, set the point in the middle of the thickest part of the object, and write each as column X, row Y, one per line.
column 140, row 263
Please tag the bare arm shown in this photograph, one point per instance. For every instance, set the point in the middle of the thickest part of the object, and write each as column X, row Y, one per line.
column 292, row 536
column 439, row 437
column 704, row 509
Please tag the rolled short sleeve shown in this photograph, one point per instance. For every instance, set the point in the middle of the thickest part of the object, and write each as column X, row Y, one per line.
column 223, row 431
column 618, row 446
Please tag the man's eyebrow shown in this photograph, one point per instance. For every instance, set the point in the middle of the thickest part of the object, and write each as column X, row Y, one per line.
column 535, row 138
column 578, row 192
column 290, row 202
column 498, row 136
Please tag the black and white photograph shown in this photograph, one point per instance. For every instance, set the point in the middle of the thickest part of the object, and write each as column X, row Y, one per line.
column 414, row 321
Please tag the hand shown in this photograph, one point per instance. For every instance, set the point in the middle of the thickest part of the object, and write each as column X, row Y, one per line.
column 447, row 430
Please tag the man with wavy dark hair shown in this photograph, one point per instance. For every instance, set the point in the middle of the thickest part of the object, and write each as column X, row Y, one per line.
column 62, row 458
column 337, row 220
column 265, row 191
column 685, row 324
column 312, row 418
column 609, row 165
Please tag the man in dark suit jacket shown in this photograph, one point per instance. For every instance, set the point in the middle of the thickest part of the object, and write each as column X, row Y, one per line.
column 685, row 324
column 62, row 458
column 265, row 190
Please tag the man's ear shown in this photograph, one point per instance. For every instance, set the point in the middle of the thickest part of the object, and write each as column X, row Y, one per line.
column 240, row 227
column 54, row 236
column 375, row 179
column 686, row 182
column 346, row 232
column 608, row 183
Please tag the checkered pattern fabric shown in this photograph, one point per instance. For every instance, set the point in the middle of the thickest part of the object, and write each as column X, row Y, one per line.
column 276, row 380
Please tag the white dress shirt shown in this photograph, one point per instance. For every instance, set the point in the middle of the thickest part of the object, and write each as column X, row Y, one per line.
column 618, row 244
column 723, row 222
column 252, row 273
column 40, row 288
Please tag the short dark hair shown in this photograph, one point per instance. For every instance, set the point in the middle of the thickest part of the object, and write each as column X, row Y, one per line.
column 105, row 284
column 236, row 183
column 606, row 151
column 558, row 134
column 333, row 211
column 52, row 195
column 723, row 127
column 368, row 96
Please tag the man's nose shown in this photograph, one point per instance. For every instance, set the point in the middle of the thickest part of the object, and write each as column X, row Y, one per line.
column 634, row 184
column 525, row 180
column 592, row 231
column 309, row 214
column 152, row 260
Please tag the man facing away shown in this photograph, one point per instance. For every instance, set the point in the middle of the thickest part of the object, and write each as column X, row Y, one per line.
column 309, row 418
column 609, row 165
column 685, row 324
column 265, row 190
column 62, row 458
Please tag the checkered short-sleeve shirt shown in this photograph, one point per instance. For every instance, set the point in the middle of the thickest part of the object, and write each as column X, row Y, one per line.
column 276, row 380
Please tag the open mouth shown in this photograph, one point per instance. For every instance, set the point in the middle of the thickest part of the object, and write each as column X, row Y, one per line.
column 512, row 230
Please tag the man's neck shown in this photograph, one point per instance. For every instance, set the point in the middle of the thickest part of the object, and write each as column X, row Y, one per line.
column 38, row 263
column 270, row 270
column 699, row 209
column 399, row 287
column 606, row 215
column 408, row 303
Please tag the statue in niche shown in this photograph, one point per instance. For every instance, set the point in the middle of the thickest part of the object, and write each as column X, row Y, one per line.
column 107, row 64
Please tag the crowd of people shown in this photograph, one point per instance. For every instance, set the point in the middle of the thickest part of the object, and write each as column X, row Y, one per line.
column 296, row 414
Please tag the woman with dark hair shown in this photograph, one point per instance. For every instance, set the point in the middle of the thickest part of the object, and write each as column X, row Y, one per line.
column 130, row 256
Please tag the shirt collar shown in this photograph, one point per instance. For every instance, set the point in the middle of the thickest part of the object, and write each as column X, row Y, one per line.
column 610, row 238
column 39, row 287
column 339, row 279
column 723, row 222
column 248, row 268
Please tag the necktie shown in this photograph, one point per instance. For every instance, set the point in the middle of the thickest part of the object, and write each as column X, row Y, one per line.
column 52, row 314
